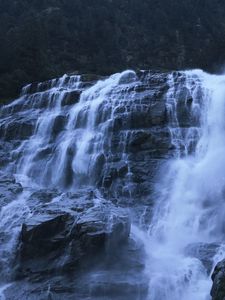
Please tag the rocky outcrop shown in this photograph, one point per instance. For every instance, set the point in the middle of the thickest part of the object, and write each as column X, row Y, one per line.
column 218, row 277
column 131, row 137
column 73, row 228
column 109, row 137
column 76, row 244
column 119, row 275
column 135, row 118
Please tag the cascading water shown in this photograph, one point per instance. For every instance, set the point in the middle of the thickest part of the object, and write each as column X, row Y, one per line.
column 117, row 134
column 81, row 142
column 189, row 212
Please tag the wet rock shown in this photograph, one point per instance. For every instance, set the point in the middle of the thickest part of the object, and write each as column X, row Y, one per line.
column 5, row 149
column 58, row 125
column 71, row 98
column 218, row 278
column 158, row 113
column 43, row 152
column 9, row 189
column 122, row 169
column 41, row 234
column 17, row 129
column 44, row 196
column 103, row 225
column 62, row 234
column 138, row 138
column 155, row 141
column 98, row 168
column 118, row 286
column 133, row 117
column 30, row 88
column 119, row 275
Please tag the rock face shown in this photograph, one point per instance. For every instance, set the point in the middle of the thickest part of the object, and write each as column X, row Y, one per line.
column 63, row 242
column 9, row 189
column 60, row 234
column 87, row 150
column 218, row 277
column 121, row 123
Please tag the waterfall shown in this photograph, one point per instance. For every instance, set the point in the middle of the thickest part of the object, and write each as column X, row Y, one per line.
column 148, row 141
column 190, row 209
column 66, row 146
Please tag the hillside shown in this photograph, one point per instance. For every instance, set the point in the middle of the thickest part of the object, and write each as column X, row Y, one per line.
column 41, row 39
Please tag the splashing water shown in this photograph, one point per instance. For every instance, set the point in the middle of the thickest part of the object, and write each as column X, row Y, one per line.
column 82, row 140
column 190, row 208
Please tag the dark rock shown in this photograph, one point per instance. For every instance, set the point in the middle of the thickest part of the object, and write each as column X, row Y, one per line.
column 103, row 225
column 119, row 275
column 9, row 189
column 71, row 98
column 40, row 235
column 45, row 196
column 62, row 234
column 30, row 88
column 17, row 130
column 158, row 113
column 138, row 138
column 5, row 149
column 134, row 117
column 43, row 152
column 218, row 277
column 122, row 169
column 98, row 168
column 157, row 141
column 58, row 125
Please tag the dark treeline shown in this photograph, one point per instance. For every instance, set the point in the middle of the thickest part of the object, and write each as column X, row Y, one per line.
column 41, row 39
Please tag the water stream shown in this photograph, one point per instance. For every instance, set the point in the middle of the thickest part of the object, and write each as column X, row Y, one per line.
column 190, row 210
column 67, row 147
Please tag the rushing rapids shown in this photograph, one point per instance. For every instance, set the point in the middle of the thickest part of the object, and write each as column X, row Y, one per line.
column 90, row 155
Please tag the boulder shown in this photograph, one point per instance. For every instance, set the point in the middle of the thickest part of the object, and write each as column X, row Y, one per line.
column 68, row 231
column 42, row 234
column 119, row 275
column 103, row 226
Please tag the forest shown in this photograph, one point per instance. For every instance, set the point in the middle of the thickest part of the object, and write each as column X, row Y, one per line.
column 42, row 39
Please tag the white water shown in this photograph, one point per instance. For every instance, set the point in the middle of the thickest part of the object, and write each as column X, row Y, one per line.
column 190, row 207
column 82, row 140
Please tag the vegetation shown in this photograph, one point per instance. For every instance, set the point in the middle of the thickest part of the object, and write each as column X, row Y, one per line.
column 41, row 39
